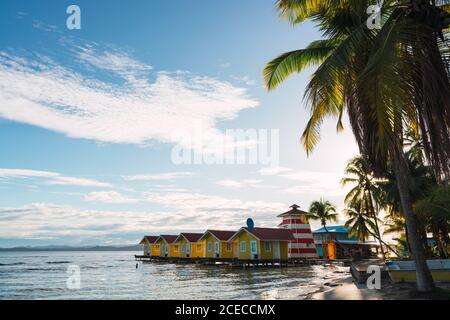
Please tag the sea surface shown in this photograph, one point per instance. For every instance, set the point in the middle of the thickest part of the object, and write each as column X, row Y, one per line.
column 113, row 275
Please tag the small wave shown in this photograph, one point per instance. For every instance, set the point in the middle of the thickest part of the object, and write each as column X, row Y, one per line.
column 12, row 264
column 58, row 262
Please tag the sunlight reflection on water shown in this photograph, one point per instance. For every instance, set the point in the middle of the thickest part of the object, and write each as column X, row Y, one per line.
column 113, row 275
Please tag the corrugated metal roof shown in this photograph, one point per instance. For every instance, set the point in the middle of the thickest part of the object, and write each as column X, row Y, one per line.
column 168, row 238
column 191, row 237
column 150, row 239
column 222, row 234
column 332, row 229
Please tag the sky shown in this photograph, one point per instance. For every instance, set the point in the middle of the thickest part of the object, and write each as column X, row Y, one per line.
column 94, row 122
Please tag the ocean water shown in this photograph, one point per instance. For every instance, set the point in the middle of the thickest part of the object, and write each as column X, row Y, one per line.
column 113, row 275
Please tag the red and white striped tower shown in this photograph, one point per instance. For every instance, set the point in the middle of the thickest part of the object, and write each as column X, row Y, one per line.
column 303, row 245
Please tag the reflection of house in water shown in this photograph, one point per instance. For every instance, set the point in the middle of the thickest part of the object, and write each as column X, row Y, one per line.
column 347, row 246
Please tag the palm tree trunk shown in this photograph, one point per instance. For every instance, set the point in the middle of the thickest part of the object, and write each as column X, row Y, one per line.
column 437, row 237
column 375, row 218
column 387, row 245
column 425, row 281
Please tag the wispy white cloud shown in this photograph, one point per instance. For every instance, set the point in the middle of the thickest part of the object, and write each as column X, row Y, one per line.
column 185, row 212
column 244, row 79
column 52, row 178
column 247, row 183
column 159, row 176
column 315, row 183
column 112, row 197
column 39, row 91
column 271, row 171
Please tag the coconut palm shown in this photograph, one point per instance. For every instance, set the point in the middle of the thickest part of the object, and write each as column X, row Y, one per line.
column 435, row 210
column 323, row 211
column 359, row 223
column 365, row 192
column 355, row 65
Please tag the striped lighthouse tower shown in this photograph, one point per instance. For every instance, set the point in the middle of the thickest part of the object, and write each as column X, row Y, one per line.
column 303, row 245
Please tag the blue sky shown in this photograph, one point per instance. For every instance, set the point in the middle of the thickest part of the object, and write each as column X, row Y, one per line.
column 87, row 120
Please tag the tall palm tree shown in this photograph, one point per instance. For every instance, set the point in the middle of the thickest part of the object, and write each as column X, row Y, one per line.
column 323, row 211
column 365, row 194
column 359, row 224
column 435, row 208
column 354, row 75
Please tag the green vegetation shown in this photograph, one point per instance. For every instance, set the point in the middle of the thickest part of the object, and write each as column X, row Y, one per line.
column 390, row 81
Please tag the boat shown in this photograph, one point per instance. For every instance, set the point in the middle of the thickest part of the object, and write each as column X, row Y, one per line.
column 405, row 270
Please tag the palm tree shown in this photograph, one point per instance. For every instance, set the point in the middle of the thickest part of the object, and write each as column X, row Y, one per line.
column 355, row 75
column 435, row 209
column 323, row 211
column 359, row 224
column 365, row 194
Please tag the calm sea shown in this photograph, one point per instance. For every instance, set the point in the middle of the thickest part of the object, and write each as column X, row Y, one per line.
column 113, row 275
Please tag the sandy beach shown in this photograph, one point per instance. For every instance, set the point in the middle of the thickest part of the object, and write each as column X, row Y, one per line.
column 346, row 289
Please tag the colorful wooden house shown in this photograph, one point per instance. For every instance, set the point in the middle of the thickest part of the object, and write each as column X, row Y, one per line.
column 261, row 243
column 336, row 242
column 147, row 244
column 185, row 245
column 165, row 246
column 216, row 244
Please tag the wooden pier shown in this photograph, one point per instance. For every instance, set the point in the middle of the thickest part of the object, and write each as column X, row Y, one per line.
column 243, row 264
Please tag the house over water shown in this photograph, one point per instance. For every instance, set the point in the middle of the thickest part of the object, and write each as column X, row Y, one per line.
column 295, row 220
column 147, row 243
column 216, row 243
column 261, row 243
column 185, row 245
column 337, row 243
column 164, row 245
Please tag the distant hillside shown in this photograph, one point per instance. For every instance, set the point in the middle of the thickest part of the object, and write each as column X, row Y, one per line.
column 71, row 248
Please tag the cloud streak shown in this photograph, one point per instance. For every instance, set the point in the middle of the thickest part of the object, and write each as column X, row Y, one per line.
column 51, row 178
column 39, row 91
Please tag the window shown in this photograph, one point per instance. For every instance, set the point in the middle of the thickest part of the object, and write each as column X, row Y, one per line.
column 267, row 246
column 199, row 247
column 176, row 247
column 182, row 248
column 209, row 246
column 228, row 246
column 243, row 246
column 216, row 247
column 188, row 248
column 167, row 248
column 253, row 246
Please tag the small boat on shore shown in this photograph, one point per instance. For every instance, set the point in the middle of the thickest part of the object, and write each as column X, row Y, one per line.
column 405, row 271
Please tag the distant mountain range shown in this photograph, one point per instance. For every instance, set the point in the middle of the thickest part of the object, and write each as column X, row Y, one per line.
column 72, row 248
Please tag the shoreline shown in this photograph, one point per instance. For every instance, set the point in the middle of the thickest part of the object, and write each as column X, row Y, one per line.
column 347, row 289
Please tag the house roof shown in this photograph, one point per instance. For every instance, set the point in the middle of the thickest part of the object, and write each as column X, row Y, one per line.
column 191, row 237
column 294, row 211
column 150, row 239
column 267, row 234
column 221, row 235
column 167, row 238
column 332, row 229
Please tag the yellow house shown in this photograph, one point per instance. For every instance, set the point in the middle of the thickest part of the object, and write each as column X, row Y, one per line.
column 147, row 244
column 165, row 247
column 186, row 245
column 216, row 244
column 261, row 243
column 198, row 249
